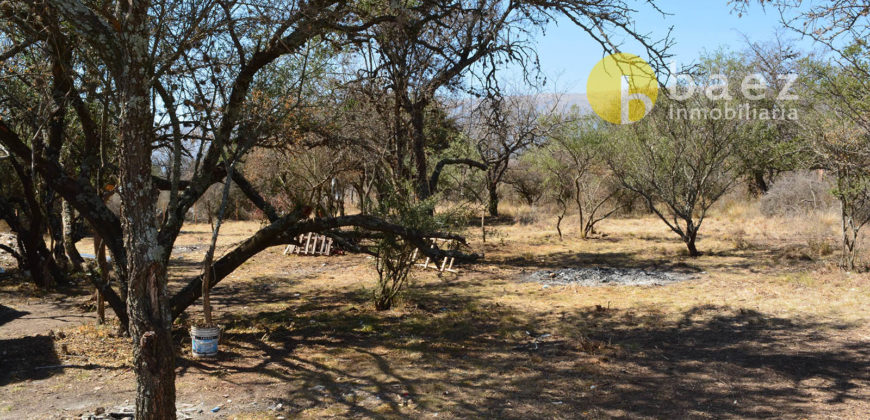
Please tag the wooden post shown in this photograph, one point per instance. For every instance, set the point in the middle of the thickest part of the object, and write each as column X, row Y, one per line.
column 483, row 226
column 103, row 266
column 206, row 302
column 307, row 242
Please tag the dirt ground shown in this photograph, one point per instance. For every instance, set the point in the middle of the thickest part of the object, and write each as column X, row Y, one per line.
column 766, row 327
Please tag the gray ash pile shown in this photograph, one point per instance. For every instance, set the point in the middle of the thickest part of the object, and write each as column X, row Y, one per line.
column 607, row 276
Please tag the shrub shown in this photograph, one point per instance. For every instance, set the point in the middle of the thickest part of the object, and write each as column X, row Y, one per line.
column 393, row 264
column 799, row 193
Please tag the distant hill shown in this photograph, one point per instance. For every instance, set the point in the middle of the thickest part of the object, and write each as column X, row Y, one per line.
column 545, row 100
column 567, row 100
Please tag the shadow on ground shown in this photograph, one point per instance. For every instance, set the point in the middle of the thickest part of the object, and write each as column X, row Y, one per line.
column 9, row 314
column 448, row 352
column 27, row 358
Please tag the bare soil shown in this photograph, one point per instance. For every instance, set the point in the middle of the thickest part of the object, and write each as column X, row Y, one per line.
column 766, row 327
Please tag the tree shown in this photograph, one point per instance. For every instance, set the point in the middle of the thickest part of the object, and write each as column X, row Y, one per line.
column 768, row 148
column 841, row 120
column 460, row 46
column 526, row 179
column 577, row 171
column 139, row 59
column 680, row 165
column 502, row 128
column 840, row 131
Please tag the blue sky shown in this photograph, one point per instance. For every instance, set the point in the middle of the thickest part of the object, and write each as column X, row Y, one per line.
column 567, row 54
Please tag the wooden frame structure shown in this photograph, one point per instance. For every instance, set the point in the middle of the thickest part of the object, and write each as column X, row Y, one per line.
column 446, row 263
column 314, row 244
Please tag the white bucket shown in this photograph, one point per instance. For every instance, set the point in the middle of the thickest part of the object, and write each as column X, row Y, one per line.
column 205, row 341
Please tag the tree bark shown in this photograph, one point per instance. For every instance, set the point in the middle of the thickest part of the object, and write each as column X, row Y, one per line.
column 69, row 243
column 419, row 149
column 103, row 267
column 492, row 205
column 690, row 239
column 147, row 296
column 759, row 184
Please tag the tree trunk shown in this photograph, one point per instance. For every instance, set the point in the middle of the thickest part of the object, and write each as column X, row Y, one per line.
column 850, row 242
column 690, row 238
column 103, row 267
column 693, row 250
column 492, row 205
column 759, row 184
column 147, row 300
column 417, row 121
column 69, row 244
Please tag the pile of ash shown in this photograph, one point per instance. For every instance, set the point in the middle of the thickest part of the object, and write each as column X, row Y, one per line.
column 608, row 276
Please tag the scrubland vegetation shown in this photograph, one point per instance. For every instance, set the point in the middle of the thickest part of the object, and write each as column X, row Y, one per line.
column 157, row 156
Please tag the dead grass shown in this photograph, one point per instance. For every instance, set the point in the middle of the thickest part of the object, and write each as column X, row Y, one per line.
column 769, row 328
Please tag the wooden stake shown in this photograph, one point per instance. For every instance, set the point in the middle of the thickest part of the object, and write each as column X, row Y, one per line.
column 307, row 242
column 103, row 266
column 206, row 302
column 483, row 226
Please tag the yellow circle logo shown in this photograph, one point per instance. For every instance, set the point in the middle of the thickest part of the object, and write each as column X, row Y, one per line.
column 622, row 88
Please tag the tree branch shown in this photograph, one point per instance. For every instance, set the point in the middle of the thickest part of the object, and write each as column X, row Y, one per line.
column 436, row 173
column 287, row 228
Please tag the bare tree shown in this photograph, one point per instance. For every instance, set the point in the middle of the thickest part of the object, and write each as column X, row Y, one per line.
column 433, row 47
column 502, row 128
column 577, row 172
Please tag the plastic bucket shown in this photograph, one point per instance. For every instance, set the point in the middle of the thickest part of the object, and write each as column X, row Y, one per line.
column 205, row 341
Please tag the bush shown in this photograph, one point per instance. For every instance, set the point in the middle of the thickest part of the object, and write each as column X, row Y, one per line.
column 799, row 193
column 526, row 215
column 395, row 256
column 394, row 262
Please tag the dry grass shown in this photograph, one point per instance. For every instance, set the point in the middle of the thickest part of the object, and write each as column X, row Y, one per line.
column 769, row 328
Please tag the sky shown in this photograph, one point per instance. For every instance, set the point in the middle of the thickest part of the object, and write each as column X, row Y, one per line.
column 567, row 54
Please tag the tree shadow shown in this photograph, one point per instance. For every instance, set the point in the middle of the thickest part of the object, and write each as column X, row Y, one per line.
column 452, row 351
column 27, row 358
column 719, row 361
column 9, row 314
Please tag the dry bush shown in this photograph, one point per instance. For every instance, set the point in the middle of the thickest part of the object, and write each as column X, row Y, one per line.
column 526, row 181
column 527, row 215
column 799, row 193
column 817, row 230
